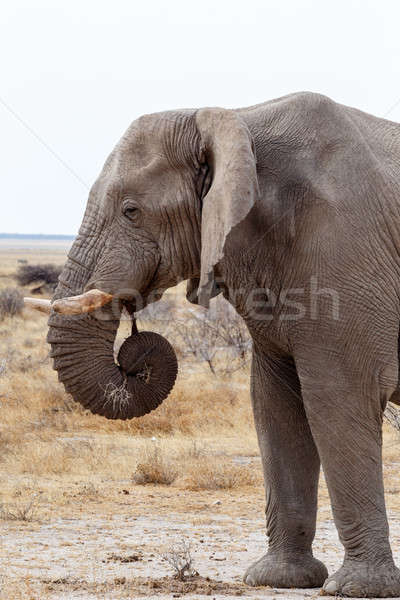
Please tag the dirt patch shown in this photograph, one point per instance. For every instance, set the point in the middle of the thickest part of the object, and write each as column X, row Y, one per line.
column 130, row 558
column 115, row 552
column 147, row 586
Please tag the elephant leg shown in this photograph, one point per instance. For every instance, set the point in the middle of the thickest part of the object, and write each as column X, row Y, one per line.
column 291, row 471
column 344, row 405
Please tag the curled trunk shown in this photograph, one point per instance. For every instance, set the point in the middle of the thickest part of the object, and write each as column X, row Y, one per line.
column 82, row 347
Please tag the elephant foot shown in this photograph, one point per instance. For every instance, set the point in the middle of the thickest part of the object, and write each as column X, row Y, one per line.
column 364, row 580
column 286, row 571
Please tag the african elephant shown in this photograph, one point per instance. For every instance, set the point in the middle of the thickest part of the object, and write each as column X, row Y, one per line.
column 298, row 197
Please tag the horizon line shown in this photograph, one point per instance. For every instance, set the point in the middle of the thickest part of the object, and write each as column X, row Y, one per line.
column 66, row 236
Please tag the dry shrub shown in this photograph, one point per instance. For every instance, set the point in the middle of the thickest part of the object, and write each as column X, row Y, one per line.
column 20, row 511
column 117, row 396
column 154, row 468
column 159, row 315
column 219, row 474
column 11, row 302
column 179, row 557
column 218, row 337
column 45, row 274
column 191, row 468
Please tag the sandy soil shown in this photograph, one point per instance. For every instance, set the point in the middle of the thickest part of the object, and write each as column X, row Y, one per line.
column 110, row 547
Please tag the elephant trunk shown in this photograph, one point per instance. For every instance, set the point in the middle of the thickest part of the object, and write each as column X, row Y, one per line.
column 82, row 347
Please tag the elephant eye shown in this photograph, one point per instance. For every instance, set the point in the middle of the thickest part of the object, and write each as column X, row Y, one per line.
column 130, row 211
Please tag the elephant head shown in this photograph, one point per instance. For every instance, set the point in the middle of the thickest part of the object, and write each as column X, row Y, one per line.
column 160, row 212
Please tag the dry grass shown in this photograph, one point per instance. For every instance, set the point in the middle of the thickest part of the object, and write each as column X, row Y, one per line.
column 220, row 475
column 154, row 467
column 121, row 588
column 20, row 510
column 11, row 302
column 188, row 467
column 43, row 431
column 45, row 436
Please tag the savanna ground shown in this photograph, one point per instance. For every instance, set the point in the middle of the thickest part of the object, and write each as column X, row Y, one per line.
column 90, row 507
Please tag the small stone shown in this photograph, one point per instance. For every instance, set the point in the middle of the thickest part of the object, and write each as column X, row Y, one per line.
column 216, row 503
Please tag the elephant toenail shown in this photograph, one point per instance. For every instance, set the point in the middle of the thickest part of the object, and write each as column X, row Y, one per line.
column 330, row 587
column 351, row 589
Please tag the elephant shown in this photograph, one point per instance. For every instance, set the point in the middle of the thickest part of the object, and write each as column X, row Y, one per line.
column 291, row 210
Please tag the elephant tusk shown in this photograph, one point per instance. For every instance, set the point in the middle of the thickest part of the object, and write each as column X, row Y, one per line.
column 84, row 303
column 38, row 304
column 74, row 305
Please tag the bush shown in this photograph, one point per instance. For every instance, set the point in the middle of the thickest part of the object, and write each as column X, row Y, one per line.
column 179, row 557
column 191, row 469
column 218, row 337
column 11, row 302
column 219, row 474
column 23, row 512
column 45, row 274
column 154, row 468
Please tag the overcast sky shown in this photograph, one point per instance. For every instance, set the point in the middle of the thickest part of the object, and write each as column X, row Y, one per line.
column 74, row 74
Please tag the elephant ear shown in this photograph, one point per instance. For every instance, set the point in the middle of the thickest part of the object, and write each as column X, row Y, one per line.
column 229, row 152
column 192, row 290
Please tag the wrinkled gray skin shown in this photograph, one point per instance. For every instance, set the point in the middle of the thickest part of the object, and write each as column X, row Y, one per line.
column 270, row 197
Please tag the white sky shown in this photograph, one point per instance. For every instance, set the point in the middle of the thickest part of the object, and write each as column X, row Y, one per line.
column 78, row 72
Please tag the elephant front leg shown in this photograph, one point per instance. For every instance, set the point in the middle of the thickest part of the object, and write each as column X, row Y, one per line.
column 346, row 421
column 291, row 470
